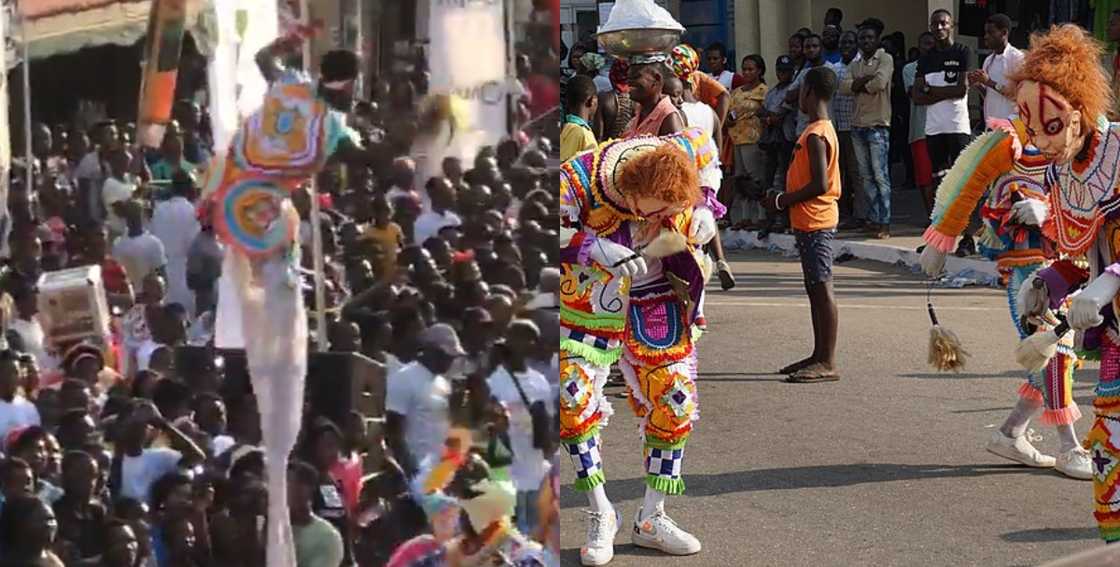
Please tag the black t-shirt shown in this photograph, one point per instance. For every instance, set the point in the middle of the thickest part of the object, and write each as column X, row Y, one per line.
column 947, row 68
column 329, row 505
column 952, row 63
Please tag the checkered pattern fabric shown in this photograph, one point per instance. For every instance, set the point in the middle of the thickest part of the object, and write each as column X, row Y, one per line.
column 585, row 457
column 664, row 462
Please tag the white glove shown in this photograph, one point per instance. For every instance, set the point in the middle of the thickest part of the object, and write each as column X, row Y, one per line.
column 1085, row 311
column 1033, row 298
column 932, row 261
column 703, row 226
column 1030, row 212
column 617, row 259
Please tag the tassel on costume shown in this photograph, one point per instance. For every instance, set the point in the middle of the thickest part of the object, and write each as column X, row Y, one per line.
column 945, row 350
column 1035, row 351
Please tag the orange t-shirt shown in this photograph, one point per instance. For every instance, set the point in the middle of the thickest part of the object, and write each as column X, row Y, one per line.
column 822, row 212
column 708, row 89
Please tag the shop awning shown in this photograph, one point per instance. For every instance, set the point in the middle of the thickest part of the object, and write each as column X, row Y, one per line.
column 64, row 26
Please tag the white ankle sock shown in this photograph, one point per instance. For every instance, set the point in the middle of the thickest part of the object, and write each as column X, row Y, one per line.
column 1067, row 438
column 653, row 503
column 1016, row 423
column 597, row 497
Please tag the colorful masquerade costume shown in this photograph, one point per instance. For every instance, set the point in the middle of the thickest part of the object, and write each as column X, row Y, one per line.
column 607, row 318
column 275, row 150
column 996, row 169
column 1084, row 197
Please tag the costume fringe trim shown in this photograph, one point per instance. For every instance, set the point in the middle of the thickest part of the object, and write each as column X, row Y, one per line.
column 942, row 242
column 592, row 480
column 589, row 429
column 666, row 445
column 592, row 322
column 1107, row 405
column 593, row 355
column 1029, row 392
column 1063, row 416
column 986, row 158
column 668, row 486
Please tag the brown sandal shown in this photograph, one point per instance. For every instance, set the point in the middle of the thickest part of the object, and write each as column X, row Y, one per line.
column 812, row 374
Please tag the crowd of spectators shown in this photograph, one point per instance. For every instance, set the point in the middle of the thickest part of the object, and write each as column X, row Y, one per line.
column 144, row 450
column 894, row 105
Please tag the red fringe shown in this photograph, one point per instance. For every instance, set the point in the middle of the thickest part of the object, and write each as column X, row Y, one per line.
column 1063, row 416
column 1030, row 393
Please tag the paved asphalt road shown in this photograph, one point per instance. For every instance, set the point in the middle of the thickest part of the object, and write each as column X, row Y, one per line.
column 885, row 467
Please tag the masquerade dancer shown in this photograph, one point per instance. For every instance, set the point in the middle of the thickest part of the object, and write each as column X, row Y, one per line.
column 1013, row 211
column 632, row 280
column 1062, row 99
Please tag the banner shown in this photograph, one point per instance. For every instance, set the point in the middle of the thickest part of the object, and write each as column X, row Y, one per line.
column 473, row 68
column 163, row 47
column 237, row 88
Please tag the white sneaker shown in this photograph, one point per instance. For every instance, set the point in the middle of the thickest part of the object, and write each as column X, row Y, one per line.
column 1018, row 449
column 660, row 532
column 1075, row 463
column 601, row 529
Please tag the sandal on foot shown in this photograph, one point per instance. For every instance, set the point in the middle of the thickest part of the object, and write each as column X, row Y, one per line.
column 812, row 374
column 791, row 368
column 726, row 279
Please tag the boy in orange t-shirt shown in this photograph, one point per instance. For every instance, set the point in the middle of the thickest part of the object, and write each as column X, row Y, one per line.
column 812, row 192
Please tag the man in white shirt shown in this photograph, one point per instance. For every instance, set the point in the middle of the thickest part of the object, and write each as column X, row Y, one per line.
column 141, row 467
column 118, row 188
column 15, row 410
column 429, row 223
column 716, row 58
column 999, row 93
column 418, row 399
column 519, row 388
column 175, row 224
column 139, row 252
column 26, row 321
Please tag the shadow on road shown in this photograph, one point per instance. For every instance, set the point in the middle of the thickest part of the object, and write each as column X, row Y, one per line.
column 571, row 556
column 1044, row 535
column 962, row 375
column 825, row 476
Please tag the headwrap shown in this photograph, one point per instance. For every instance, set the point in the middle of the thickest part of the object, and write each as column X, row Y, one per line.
column 593, row 62
column 685, row 62
column 618, row 75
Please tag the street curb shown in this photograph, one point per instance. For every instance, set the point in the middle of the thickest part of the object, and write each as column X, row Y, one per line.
column 984, row 271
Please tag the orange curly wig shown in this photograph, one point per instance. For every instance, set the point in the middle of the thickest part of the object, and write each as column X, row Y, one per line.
column 664, row 173
column 1067, row 59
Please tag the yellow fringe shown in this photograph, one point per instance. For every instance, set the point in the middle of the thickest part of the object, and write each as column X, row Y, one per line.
column 996, row 162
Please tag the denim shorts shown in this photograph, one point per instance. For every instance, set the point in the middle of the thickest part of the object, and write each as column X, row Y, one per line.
column 815, row 250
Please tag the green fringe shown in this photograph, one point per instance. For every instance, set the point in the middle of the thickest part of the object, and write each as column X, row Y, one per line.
column 1109, row 535
column 697, row 332
column 609, row 322
column 581, row 438
column 500, row 473
column 668, row 486
column 664, row 445
column 1094, row 355
column 595, row 356
column 586, row 484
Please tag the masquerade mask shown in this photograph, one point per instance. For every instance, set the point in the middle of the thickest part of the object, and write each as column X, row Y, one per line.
column 1051, row 122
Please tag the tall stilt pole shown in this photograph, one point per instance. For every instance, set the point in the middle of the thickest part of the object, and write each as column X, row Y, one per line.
column 26, row 101
column 316, row 228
